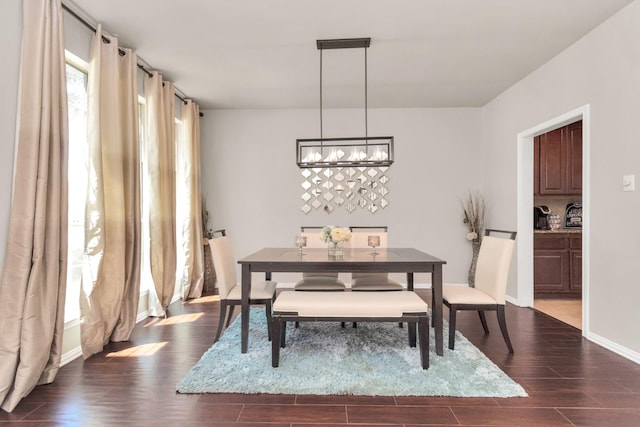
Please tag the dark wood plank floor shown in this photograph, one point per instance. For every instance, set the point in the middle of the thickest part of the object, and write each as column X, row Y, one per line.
column 570, row 381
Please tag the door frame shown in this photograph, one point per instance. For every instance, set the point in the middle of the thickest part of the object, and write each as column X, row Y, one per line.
column 524, row 242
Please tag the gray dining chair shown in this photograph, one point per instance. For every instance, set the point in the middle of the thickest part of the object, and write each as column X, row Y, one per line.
column 262, row 293
column 492, row 272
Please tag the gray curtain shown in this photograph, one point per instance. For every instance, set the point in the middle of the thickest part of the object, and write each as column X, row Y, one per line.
column 111, row 270
column 32, row 291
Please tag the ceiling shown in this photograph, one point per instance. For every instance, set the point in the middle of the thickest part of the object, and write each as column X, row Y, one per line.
column 424, row 53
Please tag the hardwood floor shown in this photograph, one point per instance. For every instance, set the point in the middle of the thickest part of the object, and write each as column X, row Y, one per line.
column 570, row 381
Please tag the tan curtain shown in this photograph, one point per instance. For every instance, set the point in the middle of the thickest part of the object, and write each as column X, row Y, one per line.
column 190, row 271
column 111, row 272
column 33, row 284
column 160, row 155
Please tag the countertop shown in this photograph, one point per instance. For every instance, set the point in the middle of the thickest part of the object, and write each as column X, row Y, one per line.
column 559, row 231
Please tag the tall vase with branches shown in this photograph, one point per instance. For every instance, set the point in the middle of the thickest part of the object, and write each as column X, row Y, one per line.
column 474, row 207
column 207, row 233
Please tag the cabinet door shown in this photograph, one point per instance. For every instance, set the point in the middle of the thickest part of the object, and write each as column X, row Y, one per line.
column 573, row 142
column 575, row 255
column 553, row 160
column 576, row 271
column 551, row 271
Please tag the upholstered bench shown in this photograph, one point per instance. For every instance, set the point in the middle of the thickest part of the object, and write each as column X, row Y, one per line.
column 392, row 306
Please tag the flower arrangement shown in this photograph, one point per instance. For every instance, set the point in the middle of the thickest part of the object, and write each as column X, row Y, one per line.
column 333, row 234
column 474, row 208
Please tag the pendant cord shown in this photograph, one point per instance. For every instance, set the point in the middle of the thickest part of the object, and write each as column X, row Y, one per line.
column 320, row 97
column 366, row 115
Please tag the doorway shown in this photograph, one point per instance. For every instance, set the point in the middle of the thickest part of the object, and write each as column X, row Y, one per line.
column 557, row 223
column 525, row 202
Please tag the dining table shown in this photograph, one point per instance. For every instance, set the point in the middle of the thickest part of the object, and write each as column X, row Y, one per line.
column 389, row 260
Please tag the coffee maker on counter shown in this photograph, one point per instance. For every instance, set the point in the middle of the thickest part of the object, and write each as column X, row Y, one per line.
column 541, row 217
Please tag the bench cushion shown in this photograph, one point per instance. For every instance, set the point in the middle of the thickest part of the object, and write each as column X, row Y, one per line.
column 349, row 304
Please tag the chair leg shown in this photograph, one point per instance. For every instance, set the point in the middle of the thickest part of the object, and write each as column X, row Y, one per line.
column 483, row 320
column 267, row 310
column 233, row 307
column 452, row 325
column 502, row 321
column 223, row 312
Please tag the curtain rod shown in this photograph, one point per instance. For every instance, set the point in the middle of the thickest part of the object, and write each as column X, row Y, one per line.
column 107, row 40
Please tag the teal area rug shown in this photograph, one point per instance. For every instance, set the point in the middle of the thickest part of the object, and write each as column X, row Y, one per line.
column 373, row 359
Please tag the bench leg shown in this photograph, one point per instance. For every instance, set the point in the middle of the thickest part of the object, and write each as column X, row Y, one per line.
column 423, row 330
column 275, row 342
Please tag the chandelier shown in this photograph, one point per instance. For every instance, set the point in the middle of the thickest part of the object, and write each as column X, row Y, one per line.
column 349, row 151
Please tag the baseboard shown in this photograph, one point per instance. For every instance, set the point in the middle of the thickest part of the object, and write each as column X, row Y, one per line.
column 142, row 315
column 615, row 347
column 70, row 356
column 513, row 300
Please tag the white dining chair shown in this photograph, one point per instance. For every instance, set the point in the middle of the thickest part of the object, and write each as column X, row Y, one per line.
column 321, row 281
column 492, row 272
column 371, row 281
column 262, row 293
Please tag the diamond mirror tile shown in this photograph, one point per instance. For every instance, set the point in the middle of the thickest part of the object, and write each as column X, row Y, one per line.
column 345, row 188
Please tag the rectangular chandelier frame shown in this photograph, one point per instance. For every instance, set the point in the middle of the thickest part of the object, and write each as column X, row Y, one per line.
column 341, row 152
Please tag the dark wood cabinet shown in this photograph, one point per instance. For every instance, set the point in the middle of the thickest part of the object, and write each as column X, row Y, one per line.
column 558, row 161
column 574, row 158
column 575, row 263
column 557, row 264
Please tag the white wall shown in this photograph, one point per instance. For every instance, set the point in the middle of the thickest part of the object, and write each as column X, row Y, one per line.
column 253, row 184
column 602, row 70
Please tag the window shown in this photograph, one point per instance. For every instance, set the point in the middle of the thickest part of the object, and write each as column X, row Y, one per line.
column 77, row 105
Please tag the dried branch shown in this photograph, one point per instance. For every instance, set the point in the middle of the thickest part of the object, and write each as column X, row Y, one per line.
column 474, row 210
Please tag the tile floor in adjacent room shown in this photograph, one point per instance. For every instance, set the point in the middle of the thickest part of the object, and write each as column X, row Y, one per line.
column 564, row 309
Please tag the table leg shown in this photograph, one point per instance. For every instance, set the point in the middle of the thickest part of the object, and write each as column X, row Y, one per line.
column 436, row 310
column 411, row 327
column 244, row 299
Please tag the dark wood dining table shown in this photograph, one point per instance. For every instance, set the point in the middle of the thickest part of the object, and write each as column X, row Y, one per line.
column 390, row 260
